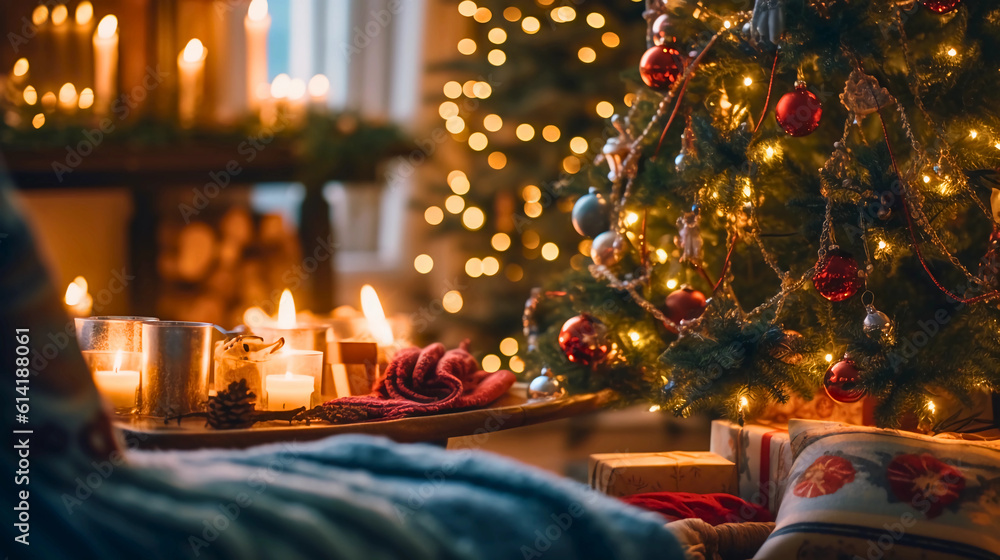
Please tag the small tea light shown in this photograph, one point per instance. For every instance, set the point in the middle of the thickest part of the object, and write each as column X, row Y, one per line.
column 120, row 383
column 289, row 391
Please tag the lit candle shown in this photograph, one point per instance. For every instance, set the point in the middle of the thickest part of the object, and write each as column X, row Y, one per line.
column 286, row 311
column 105, row 64
column 68, row 98
column 78, row 301
column 191, row 67
column 84, row 18
column 20, row 71
column 319, row 89
column 118, row 386
column 297, row 104
column 289, row 391
column 378, row 327
column 256, row 23
column 62, row 66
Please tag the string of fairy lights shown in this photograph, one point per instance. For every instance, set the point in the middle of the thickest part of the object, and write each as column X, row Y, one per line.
column 478, row 138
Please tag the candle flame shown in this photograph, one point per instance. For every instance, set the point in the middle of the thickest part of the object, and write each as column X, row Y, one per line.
column 67, row 94
column 296, row 89
column 107, row 27
column 118, row 361
column 86, row 98
column 59, row 14
column 84, row 12
column 319, row 85
column 286, row 311
column 372, row 308
column 21, row 67
column 76, row 291
column 193, row 51
column 257, row 10
column 40, row 14
column 744, row 403
column 280, row 86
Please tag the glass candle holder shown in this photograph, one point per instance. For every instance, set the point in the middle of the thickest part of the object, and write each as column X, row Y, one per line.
column 308, row 336
column 111, row 333
column 176, row 363
column 294, row 377
column 117, row 376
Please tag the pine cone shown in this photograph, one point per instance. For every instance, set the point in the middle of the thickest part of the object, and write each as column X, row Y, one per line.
column 232, row 408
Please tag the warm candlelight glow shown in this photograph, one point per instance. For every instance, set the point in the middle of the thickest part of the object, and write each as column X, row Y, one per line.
column 108, row 27
column 286, row 311
column 118, row 362
column 193, row 51
column 372, row 308
column 319, row 85
column 59, row 14
column 257, row 10
column 84, row 12
column 40, row 14
column 67, row 94
column 76, row 291
column 30, row 95
column 296, row 89
column 280, row 86
column 86, row 98
column 21, row 67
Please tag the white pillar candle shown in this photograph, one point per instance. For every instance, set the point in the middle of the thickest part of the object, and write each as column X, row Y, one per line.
column 191, row 82
column 289, row 391
column 118, row 386
column 256, row 24
column 105, row 64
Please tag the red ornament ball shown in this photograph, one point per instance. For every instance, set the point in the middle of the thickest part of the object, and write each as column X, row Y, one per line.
column 798, row 112
column 685, row 303
column 583, row 339
column 941, row 6
column 660, row 67
column 837, row 276
column 843, row 382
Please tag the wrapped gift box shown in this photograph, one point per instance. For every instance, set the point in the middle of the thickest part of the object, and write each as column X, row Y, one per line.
column 624, row 474
column 763, row 458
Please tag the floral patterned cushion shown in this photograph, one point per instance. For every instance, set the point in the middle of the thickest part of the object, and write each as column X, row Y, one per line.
column 864, row 493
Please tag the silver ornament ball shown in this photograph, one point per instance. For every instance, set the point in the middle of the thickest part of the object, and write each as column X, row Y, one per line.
column 607, row 249
column 876, row 322
column 544, row 387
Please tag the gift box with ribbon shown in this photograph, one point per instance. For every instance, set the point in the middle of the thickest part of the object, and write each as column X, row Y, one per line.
column 763, row 458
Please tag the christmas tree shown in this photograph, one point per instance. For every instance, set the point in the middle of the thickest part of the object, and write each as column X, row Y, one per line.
column 530, row 82
column 801, row 196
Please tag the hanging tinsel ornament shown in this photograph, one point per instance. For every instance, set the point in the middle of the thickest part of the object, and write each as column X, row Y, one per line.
column 843, row 382
column 685, row 304
column 784, row 345
column 688, row 238
column 862, row 95
column 660, row 66
column 590, row 214
column 607, row 249
column 799, row 112
column 837, row 275
column 616, row 148
column 583, row 339
column 545, row 386
column 941, row 6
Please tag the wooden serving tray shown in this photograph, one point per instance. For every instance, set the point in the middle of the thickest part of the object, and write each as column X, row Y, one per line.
column 513, row 410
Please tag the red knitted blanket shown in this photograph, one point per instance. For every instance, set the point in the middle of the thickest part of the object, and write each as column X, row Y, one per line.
column 419, row 382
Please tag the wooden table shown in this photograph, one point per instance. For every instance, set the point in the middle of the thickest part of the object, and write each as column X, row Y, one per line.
column 512, row 410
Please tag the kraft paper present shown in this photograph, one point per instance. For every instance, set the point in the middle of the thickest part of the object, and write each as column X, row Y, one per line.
column 763, row 457
column 624, row 474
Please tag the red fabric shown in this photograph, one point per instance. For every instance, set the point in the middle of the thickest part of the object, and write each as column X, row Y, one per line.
column 419, row 382
column 713, row 509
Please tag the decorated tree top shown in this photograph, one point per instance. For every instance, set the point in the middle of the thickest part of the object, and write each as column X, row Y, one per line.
column 801, row 196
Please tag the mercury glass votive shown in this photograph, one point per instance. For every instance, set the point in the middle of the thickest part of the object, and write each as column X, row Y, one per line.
column 176, row 363
column 111, row 333
column 117, row 376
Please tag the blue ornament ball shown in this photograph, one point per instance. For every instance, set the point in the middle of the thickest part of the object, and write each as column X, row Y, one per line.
column 590, row 214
